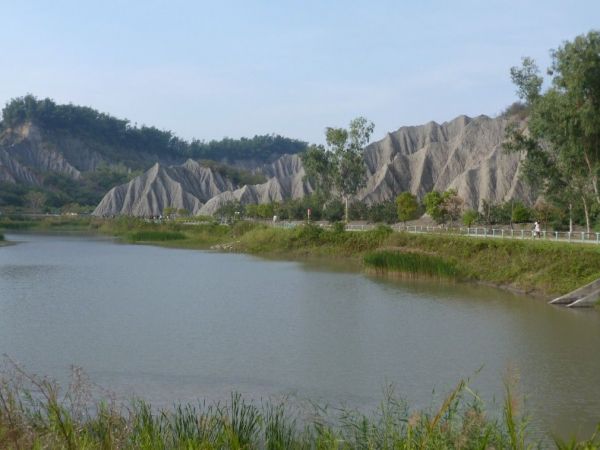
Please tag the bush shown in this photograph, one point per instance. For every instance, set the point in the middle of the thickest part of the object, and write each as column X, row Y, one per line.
column 411, row 263
column 383, row 230
column 309, row 233
column 334, row 211
column 383, row 212
column 338, row 227
column 155, row 236
column 521, row 213
column 470, row 217
column 242, row 227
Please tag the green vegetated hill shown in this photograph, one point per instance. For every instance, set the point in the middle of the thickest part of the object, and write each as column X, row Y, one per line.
column 54, row 155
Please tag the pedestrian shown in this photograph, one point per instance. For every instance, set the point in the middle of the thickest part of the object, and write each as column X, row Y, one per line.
column 536, row 229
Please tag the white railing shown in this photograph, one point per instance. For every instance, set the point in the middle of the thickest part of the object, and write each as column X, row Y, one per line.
column 488, row 232
column 481, row 232
column 574, row 236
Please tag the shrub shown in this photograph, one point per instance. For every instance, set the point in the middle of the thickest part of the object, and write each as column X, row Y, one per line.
column 470, row 217
column 156, row 236
column 334, row 211
column 338, row 227
column 411, row 263
column 242, row 227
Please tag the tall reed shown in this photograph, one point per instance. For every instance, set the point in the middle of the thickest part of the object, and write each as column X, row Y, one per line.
column 155, row 236
column 411, row 263
column 36, row 413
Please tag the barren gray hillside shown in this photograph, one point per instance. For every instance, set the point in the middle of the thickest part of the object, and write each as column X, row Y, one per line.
column 183, row 187
column 43, row 151
column 24, row 154
column 191, row 185
column 465, row 154
column 286, row 182
column 75, row 154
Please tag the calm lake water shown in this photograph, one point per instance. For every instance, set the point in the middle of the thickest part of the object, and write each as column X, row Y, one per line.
column 178, row 325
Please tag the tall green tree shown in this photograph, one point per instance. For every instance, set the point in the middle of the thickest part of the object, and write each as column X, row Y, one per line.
column 527, row 79
column 433, row 206
column 319, row 166
column 470, row 217
column 452, row 205
column 341, row 164
column 561, row 139
column 408, row 206
column 35, row 200
column 444, row 206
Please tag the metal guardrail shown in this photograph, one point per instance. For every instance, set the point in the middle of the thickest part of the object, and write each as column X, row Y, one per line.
column 565, row 236
column 481, row 232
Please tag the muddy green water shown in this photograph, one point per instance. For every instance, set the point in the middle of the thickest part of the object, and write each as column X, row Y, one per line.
column 177, row 325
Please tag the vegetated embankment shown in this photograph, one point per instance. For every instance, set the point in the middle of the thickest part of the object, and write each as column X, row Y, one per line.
column 535, row 267
column 542, row 268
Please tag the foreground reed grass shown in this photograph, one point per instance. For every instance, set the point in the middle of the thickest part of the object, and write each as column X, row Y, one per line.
column 34, row 413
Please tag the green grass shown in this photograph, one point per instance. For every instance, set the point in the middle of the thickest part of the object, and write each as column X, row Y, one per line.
column 67, row 223
column 11, row 224
column 35, row 413
column 413, row 264
column 545, row 268
column 311, row 240
column 155, row 236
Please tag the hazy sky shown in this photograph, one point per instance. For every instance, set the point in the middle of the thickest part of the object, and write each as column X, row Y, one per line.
column 240, row 68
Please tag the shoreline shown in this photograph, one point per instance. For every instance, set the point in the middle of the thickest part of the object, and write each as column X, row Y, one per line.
column 537, row 269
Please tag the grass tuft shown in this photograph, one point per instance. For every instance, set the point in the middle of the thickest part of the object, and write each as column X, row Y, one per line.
column 154, row 236
column 414, row 264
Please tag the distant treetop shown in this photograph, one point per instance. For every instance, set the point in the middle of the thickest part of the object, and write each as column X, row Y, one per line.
column 87, row 122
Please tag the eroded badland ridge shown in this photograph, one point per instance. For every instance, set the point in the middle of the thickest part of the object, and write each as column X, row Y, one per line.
column 75, row 154
column 465, row 154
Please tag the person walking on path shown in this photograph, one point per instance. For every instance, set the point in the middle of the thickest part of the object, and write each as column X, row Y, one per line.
column 536, row 230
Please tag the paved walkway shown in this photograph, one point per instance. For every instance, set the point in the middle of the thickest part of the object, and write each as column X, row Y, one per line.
column 578, row 237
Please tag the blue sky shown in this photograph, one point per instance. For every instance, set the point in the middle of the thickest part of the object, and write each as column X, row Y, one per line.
column 240, row 68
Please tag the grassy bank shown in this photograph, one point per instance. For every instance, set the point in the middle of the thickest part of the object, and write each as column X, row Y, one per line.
column 34, row 414
column 155, row 236
column 539, row 267
column 45, row 223
column 545, row 268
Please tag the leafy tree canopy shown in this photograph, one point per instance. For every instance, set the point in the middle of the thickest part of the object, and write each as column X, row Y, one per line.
column 443, row 206
column 87, row 122
column 408, row 206
column 561, row 141
column 340, row 166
